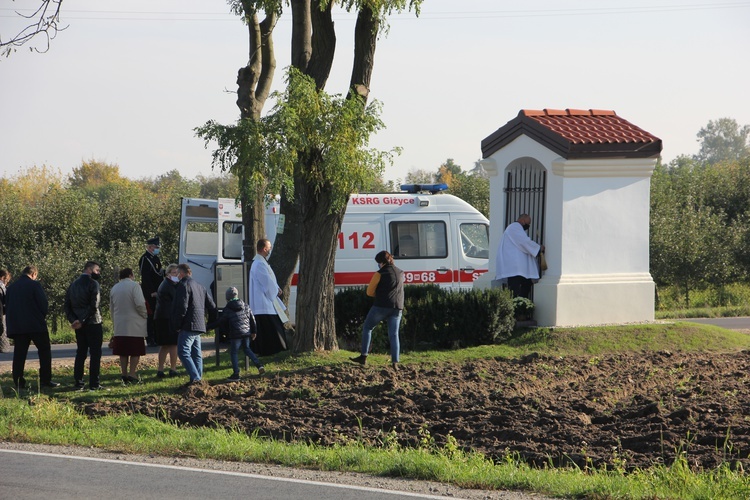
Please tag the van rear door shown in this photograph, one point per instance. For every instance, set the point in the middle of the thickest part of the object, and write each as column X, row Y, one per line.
column 420, row 244
column 199, row 238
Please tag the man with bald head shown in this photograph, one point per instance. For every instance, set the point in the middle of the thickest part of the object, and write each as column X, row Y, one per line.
column 516, row 258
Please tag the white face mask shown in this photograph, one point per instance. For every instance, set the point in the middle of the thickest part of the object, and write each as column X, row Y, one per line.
column 175, row 278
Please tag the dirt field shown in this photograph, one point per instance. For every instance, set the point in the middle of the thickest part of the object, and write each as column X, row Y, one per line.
column 619, row 411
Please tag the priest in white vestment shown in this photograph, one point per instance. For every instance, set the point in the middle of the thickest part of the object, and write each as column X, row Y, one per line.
column 516, row 258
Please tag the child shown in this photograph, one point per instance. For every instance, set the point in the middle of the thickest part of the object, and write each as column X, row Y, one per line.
column 238, row 322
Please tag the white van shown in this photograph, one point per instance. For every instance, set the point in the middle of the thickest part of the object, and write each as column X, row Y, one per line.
column 434, row 237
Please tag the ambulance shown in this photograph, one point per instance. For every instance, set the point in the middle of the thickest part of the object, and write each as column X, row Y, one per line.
column 434, row 237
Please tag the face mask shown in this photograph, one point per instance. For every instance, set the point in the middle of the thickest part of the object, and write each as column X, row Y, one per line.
column 156, row 251
column 525, row 227
column 176, row 279
column 96, row 276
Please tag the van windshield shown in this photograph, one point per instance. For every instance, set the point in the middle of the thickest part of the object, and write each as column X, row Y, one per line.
column 475, row 240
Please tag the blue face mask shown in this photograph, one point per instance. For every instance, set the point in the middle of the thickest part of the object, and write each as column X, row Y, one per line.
column 156, row 251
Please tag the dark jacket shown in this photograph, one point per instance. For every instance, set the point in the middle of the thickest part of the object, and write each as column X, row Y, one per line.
column 26, row 307
column 2, row 307
column 82, row 301
column 151, row 274
column 191, row 302
column 236, row 320
column 164, row 299
column 390, row 289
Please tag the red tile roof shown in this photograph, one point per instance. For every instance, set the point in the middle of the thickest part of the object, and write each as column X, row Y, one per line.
column 577, row 133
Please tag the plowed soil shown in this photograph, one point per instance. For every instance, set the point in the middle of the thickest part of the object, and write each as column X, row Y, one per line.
column 615, row 411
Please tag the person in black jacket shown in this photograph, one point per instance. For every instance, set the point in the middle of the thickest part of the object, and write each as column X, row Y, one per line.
column 4, row 280
column 387, row 286
column 151, row 277
column 26, row 318
column 239, row 324
column 166, row 337
column 191, row 302
column 82, row 310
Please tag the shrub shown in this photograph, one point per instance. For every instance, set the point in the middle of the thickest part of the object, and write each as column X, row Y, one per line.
column 523, row 308
column 433, row 316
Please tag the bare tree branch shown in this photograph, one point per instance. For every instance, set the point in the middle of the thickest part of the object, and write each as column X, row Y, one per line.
column 45, row 20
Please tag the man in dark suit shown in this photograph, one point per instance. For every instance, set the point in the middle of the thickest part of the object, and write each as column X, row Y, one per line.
column 151, row 277
column 26, row 318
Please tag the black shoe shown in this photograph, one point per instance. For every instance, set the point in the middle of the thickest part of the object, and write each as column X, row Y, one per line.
column 173, row 373
column 160, row 374
column 131, row 380
column 359, row 359
column 51, row 384
column 98, row 388
column 79, row 385
column 235, row 377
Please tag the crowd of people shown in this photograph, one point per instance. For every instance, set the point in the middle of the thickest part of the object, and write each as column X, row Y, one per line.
column 170, row 313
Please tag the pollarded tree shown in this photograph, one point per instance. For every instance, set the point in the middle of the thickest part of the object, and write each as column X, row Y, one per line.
column 310, row 184
column 253, row 86
column 318, row 208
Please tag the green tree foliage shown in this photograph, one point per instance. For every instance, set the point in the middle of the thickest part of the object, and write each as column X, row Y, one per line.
column 473, row 189
column 723, row 140
column 58, row 226
column 93, row 174
column 419, row 176
column 473, row 186
column 692, row 242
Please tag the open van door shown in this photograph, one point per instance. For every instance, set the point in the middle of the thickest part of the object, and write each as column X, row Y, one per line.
column 473, row 249
column 421, row 247
column 199, row 238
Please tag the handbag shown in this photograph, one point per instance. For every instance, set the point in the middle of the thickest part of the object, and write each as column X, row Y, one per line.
column 542, row 262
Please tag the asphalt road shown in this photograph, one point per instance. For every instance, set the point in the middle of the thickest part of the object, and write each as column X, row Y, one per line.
column 742, row 323
column 34, row 475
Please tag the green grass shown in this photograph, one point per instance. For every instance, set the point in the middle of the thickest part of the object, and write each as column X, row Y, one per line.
column 52, row 418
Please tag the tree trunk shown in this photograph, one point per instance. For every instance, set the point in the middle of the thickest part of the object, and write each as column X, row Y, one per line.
column 316, row 328
column 314, row 45
column 365, row 42
column 253, row 86
column 283, row 259
column 312, row 54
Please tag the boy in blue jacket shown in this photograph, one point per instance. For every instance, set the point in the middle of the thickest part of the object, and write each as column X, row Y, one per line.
column 238, row 322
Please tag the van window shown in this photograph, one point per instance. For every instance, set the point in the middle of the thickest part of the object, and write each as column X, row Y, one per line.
column 475, row 240
column 232, row 240
column 201, row 211
column 201, row 238
column 418, row 240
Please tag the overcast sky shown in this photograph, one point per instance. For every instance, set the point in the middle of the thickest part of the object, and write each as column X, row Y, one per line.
column 127, row 81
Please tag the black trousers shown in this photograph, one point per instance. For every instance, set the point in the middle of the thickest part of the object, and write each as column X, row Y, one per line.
column 520, row 286
column 21, row 350
column 150, row 335
column 89, row 339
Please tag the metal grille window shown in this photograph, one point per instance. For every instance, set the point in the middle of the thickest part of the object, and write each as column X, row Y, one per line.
column 525, row 189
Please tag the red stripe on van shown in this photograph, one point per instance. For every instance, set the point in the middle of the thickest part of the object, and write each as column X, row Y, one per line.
column 410, row 277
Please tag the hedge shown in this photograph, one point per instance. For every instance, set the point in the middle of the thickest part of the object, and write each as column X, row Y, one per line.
column 433, row 317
